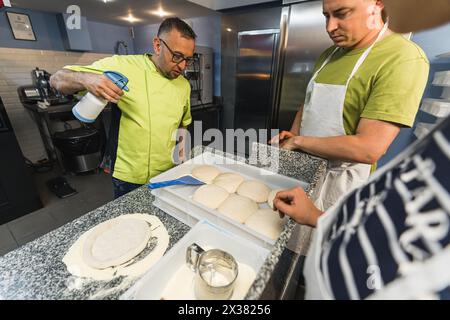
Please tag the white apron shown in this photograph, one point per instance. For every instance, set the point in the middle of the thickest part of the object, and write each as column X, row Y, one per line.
column 323, row 117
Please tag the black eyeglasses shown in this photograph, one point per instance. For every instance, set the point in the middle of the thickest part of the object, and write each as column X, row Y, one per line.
column 178, row 57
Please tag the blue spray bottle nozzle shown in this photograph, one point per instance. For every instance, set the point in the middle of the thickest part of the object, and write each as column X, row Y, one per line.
column 119, row 79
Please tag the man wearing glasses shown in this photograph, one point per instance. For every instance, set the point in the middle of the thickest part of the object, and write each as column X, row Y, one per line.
column 146, row 118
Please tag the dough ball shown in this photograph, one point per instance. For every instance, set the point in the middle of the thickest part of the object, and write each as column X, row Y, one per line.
column 116, row 242
column 266, row 222
column 210, row 195
column 229, row 181
column 255, row 190
column 238, row 208
column 205, row 173
column 271, row 196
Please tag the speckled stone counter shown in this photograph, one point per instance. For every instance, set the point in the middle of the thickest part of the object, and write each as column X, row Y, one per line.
column 36, row 270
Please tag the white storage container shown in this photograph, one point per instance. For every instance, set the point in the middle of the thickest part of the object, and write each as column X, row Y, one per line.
column 423, row 129
column 156, row 283
column 178, row 200
column 442, row 78
column 446, row 93
column 444, row 55
column 436, row 107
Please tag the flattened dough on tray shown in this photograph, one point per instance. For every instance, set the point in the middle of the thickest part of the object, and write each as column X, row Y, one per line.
column 238, row 207
column 255, row 190
column 205, row 173
column 266, row 222
column 229, row 181
column 210, row 196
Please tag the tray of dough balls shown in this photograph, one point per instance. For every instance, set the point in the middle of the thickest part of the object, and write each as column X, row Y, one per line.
column 235, row 196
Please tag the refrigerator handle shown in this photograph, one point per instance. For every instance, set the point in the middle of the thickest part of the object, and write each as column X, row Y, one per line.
column 279, row 62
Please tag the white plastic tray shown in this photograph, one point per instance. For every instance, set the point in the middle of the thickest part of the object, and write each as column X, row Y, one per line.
column 178, row 202
column 442, row 78
column 437, row 107
column 155, row 284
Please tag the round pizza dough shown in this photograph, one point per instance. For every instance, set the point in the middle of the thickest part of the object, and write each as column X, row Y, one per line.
column 271, row 196
column 76, row 265
column 114, row 243
column 255, row 190
column 205, row 173
column 266, row 222
column 238, row 207
column 229, row 181
column 210, row 195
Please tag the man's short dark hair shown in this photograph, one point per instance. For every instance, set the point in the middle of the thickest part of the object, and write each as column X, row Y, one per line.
column 176, row 23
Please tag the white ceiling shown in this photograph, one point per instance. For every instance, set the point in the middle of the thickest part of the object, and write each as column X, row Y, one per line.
column 111, row 12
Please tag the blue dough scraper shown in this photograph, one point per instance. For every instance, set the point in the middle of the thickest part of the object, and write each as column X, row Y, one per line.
column 184, row 180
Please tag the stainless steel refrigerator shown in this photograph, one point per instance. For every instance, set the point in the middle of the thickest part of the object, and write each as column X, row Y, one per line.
column 255, row 66
column 275, row 66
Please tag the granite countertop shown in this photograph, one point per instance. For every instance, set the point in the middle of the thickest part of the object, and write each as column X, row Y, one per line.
column 36, row 270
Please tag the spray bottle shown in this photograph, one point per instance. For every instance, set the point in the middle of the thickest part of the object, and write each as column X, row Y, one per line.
column 90, row 106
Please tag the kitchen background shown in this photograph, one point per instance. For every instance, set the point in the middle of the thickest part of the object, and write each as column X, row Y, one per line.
column 112, row 27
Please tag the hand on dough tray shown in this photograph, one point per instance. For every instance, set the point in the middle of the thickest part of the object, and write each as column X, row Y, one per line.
column 291, row 144
column 296, row 204
column 280, row 138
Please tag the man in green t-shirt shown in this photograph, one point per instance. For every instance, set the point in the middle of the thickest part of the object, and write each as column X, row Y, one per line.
column 389, row 239
column 146, row 119
column 364, row 90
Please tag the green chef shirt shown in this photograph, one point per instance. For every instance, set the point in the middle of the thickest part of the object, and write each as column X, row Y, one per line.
column 151, row 112
column 388, row 86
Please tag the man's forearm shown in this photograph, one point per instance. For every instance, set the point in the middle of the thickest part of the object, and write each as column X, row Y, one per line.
column 68, row 82
column 349, row 148
column 370, row 142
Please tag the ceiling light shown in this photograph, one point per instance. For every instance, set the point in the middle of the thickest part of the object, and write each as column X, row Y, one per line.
column 229, row 29
column 160, row 12
column 130, row 18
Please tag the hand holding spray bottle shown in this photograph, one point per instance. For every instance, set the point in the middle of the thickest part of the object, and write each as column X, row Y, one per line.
column 90, row 106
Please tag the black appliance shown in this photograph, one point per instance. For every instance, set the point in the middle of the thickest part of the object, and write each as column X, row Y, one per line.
column 76, row 150
column 41, row 90
column 18, row 195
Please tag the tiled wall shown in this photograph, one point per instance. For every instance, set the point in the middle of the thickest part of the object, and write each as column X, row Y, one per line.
column 15, row 70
